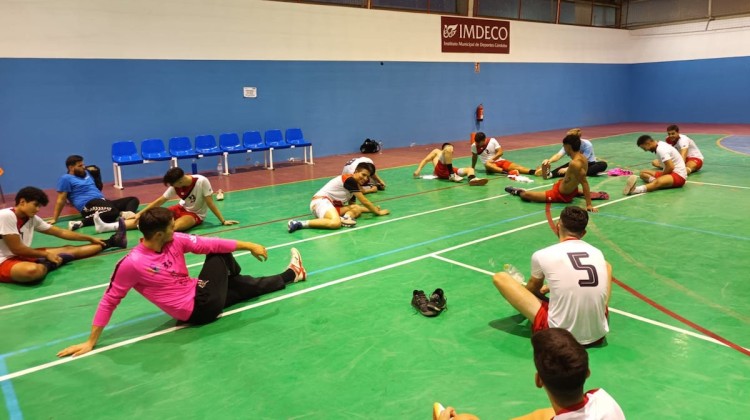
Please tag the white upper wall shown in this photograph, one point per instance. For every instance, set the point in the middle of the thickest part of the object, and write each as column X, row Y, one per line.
column 268, row 30
column 692, row 41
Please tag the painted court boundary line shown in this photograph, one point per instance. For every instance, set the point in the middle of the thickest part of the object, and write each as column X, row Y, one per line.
column 341, row 231
column 308, row 290
column 58, row 362
column 611, row 309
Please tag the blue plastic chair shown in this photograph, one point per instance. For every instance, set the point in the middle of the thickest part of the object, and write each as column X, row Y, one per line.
column 296, row 139
column 206, row 145
column 230, row 143
column 253, row 142
column 123, row 153
column 181, row 148
column 275, row 140
column 154, row 150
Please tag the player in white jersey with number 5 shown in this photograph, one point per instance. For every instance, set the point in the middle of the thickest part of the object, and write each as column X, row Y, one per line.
column 578, row 282
column 673, row 174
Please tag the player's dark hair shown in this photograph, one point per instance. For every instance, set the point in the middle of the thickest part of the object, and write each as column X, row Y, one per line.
column 574, row 141
column 32, row 194
column 365, row 165
column 643, row 139
column 574, row 220
column 442, row 147
column 173, row 175
column 154, row 220
column 673, row 127
column 72, row 160
column 479, row 137
column 562, row 364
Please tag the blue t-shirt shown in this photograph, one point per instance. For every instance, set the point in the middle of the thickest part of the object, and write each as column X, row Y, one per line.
column 80, row 190
column 586, row 148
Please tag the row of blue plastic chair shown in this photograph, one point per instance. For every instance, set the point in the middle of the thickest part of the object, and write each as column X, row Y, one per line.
column 153, row 150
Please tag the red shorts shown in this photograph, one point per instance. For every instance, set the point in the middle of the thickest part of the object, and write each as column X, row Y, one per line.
column 441, row 170
column 698, row 163
column 540, row 319
column 8, row 264
column 555, row 196
column 503, row 164
column 179, row 211
column 677, row 181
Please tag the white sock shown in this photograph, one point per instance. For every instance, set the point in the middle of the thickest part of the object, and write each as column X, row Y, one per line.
column 639, row 189
column 102, row 226
column 305, row 223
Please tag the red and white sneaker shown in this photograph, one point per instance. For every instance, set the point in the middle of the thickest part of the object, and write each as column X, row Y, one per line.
column 295, row 264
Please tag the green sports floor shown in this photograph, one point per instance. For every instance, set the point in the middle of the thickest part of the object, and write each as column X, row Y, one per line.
column 346, row 344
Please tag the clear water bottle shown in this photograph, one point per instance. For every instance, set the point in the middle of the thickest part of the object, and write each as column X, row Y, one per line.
column 220, row 167
column 515, row 273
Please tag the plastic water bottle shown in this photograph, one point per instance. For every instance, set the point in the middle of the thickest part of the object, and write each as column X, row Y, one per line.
column 220, row 167
column 513, row 272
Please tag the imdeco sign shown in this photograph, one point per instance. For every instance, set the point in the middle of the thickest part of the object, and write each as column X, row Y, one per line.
column 465, row 35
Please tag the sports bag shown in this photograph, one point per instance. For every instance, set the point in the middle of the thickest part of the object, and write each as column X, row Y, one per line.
column 370, row 146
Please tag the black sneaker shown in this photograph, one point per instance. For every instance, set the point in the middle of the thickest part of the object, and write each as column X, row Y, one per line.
column 120, row 238
column 420, row 303
column 513, row 190
column 438, row 301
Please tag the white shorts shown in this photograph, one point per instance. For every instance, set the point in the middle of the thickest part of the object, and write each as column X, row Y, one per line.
column 320, row 206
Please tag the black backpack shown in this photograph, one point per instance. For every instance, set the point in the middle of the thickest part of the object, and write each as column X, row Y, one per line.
column 370, row 146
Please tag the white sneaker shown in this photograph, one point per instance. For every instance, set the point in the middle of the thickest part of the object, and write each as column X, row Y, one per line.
column 348, row 221
column 630, row 185
column 220, row 195
column 455, row 178
column 127, row 214
column 75, row 225
column 295, row 264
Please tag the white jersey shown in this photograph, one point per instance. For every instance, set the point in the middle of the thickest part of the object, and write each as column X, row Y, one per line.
column 597, row 405
column 685, row 142
column 193, row 197
column 576, row 274
column 666, row 152
column 488, row 152
column 9, row 226
column 339, row 190
column 350, row 166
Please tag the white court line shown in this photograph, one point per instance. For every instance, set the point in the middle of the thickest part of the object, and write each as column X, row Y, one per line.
column 276, row 299
column 718, row 185
column 273, row 300
column 314, row 238
column 611, row 309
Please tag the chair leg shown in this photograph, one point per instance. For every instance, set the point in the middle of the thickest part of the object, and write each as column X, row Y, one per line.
column 311, row 157
column 117, row 175
column 269, row 164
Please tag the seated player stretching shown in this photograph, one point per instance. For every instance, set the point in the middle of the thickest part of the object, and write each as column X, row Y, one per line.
column 566, row 189
column 330, row 205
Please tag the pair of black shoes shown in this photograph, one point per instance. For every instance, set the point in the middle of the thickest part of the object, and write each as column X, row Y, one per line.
column 429, row 307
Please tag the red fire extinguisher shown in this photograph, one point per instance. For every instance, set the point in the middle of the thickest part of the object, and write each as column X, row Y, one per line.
column 480, row 113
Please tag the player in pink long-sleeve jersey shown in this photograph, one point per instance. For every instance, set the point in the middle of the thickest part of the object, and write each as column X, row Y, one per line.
column 157, row 270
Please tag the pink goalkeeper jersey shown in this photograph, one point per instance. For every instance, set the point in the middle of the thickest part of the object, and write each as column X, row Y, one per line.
column 161, row 277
